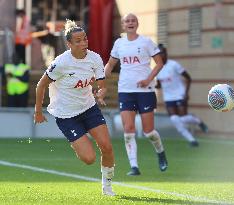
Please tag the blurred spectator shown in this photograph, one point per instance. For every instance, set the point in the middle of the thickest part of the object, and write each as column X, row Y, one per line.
column 23, row 35
column 17, row 82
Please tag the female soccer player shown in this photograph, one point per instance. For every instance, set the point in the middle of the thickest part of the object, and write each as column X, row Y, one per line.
column 136, row 88
column 73, row 104
column 175, row 83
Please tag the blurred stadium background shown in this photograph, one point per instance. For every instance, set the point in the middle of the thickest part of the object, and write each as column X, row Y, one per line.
column 197, row 33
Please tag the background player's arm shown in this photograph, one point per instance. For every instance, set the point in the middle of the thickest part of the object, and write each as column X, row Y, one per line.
column 158, row 85
column 110, row 66
column 159, row 64
column 188, row 81
column 40, row 92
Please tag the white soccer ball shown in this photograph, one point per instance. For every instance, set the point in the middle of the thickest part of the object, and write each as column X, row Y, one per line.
column 221, row 98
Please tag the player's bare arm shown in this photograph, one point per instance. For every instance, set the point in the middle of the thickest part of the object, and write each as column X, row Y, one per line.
column 188, row 81
column 110, row 66
column 40, row 92
column 155, row 71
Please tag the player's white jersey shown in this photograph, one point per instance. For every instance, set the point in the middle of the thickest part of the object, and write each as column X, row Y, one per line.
column 71, row 93
column 173, row 87
column 135, row 59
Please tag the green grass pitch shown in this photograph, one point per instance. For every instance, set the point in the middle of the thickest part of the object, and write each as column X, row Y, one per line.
column 46, row 172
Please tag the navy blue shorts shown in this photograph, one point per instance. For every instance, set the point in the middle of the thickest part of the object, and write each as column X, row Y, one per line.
column 141, row 102
column 75, row 127
column 176, row 103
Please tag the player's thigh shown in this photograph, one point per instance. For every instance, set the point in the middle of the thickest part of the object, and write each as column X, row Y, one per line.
column 128, row 120
column 128, row 108
column 147, row 121
column 182, row 107
column 95, row 125
column 182, row 110
column 84, row 149
column 171, row 108
column 102, row 137
column 147, row 102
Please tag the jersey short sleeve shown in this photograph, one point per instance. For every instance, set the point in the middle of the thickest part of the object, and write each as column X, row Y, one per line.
column 54, row 71
column 179, row 69
column 114, row 51
column 152, row 48
column 99, row 68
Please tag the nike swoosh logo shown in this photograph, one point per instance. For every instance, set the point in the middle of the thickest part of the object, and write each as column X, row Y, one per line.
column 146, row 108
column 71, row 74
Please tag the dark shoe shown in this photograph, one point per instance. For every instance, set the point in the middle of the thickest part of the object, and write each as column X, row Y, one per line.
column 134, row 171
column 194, row 144
column 162, row 161
column 203, row 127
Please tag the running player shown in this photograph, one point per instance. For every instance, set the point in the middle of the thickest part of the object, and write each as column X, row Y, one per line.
column 175, row 83
column 136, row 88
column 73, row 104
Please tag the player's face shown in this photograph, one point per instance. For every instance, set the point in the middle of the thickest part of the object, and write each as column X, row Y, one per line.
column 130, row 23
column 79, row 42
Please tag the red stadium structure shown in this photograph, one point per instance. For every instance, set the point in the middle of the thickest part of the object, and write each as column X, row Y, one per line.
column 100, row 27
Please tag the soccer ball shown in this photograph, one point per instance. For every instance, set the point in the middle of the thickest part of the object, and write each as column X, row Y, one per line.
column 221, row 98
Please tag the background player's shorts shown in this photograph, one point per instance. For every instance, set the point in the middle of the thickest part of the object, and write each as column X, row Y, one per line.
column 139, row 101
column 75, row 127
column 176, row 103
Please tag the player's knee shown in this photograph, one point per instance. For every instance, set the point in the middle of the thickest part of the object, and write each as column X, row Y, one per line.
column 89, row 159
column 174, row 119
column 177, row 123
column 129, row 128
column 107, row 149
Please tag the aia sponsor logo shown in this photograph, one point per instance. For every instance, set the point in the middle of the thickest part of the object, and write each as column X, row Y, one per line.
column 84, row 83
column 131, row 60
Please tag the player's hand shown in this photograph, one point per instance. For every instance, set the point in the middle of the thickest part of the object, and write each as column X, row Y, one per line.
column 143, row 83
column 99, row 95
column 39, row 117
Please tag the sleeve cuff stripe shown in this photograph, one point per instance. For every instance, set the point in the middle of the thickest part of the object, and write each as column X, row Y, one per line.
column 114, row 57
column 100, row 79
column 49, row 77
column 155, row 54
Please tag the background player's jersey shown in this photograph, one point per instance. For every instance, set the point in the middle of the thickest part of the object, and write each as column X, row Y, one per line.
column 71, row 93
column 135, row 59
column 173, row 87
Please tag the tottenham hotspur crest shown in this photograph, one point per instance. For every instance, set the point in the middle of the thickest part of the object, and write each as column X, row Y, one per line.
column 52, row 67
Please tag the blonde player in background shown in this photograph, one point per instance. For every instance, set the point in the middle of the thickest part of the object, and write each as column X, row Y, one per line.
column 73, row 104
column 175, row 83
column 136, row 88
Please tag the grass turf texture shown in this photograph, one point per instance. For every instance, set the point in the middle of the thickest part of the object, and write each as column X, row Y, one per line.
column 203, row 175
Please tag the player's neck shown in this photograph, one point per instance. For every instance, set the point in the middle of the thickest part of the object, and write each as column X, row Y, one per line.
column 132, row 36
column 79, row 55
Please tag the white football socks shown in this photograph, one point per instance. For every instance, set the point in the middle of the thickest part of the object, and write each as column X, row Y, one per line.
column 181, row 128
column 155, row 139
column 107, row 175
column 190, row 119
column 131, row 148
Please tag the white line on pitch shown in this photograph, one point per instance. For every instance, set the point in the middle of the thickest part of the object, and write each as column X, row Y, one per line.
column 76, row 176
